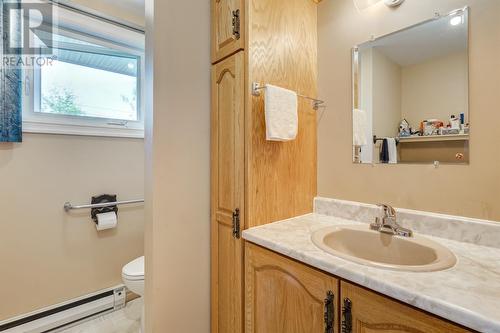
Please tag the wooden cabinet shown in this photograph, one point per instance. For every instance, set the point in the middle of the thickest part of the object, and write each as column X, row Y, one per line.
column 227, row 197
column 283, row 296
column 228, row 35
column 259, row 41
column 367, row 312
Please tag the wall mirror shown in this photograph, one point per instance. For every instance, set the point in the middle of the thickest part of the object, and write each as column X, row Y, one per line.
column 411, row 94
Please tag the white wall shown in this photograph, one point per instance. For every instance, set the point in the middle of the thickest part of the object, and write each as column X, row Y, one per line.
column 178, row 166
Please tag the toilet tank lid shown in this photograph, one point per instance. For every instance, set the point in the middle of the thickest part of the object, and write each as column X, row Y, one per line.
column 135, row 268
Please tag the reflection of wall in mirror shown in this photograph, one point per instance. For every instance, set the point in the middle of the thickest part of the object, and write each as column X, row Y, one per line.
column 366, row 101
column 380, row 97
column 386, row 99
column 435, row 89
column 442, row 151
column 386, row 95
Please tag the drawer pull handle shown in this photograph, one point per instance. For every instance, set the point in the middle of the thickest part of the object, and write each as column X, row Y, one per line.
column 347, row 316
column 329, row 314
column 236, row 23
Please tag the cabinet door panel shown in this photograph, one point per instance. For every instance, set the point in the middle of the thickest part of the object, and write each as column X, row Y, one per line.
column 283, row 296
column 225, row 40
column 373, row 313
column 227, row 194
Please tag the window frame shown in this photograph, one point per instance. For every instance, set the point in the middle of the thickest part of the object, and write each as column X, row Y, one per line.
column 46, row 123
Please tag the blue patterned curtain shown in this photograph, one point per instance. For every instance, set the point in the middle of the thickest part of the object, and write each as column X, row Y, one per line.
column 10, row 87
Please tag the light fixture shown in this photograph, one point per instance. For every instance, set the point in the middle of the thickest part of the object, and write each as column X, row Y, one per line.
column 363, row 4
column 130, row 65
column 457, row 20
column 393, row 3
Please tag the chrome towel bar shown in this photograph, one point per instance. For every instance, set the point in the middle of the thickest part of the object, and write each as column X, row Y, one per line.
column 316, row 102
column 68, row 206
column 375, row 139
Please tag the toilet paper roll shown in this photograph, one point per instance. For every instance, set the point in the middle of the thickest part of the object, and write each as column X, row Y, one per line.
column 106, row 221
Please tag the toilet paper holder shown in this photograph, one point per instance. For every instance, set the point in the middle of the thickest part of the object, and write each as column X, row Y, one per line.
column 100, row 199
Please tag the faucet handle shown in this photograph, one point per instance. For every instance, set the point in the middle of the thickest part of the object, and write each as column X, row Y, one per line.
column 389, row 211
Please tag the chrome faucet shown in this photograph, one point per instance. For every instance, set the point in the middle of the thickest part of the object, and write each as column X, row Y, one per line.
column 388, row 223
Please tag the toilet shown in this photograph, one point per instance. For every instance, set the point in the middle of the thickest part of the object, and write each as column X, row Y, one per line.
column 133, row 278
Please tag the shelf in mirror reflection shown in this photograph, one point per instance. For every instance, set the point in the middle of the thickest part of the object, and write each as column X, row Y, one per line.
column 433, row 138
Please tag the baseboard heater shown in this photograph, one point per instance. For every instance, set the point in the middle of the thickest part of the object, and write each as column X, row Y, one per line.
column 67, row 314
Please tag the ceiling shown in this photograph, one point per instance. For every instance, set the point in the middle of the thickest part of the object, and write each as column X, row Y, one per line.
column 417, row 44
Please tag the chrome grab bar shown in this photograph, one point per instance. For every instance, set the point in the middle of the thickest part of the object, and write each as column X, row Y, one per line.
column 68, row 206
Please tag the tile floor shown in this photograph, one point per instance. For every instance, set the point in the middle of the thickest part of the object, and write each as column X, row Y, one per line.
column 126, row 320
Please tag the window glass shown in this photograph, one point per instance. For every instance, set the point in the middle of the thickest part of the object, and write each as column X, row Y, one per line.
column 91, row 81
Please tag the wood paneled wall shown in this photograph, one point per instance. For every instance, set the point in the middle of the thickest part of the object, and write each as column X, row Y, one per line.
column 282, row 50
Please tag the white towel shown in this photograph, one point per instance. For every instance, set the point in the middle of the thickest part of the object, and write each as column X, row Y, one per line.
column 281, row 114
column 359, row 127
column 393, row 151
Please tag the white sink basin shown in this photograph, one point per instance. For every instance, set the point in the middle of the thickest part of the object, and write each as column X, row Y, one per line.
column 359, row 244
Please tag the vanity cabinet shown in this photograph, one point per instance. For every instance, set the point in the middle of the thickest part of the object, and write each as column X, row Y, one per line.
column 284, row 296
column 227, row 28
column 364, row 311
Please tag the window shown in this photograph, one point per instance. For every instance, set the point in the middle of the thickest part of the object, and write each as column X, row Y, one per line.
column 92, row 87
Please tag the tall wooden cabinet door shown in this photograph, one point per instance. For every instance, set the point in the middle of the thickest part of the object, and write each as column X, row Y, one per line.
column 283, row 296
column 367, row 312
column 227, row 194
column 228, row 28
